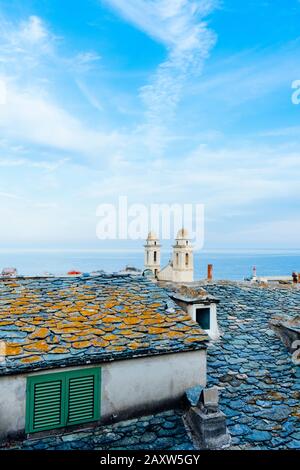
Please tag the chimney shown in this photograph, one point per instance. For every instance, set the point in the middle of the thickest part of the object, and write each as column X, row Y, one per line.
column 210, row 272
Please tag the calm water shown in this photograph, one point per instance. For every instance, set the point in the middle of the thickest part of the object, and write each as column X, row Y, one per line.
column 234, row 266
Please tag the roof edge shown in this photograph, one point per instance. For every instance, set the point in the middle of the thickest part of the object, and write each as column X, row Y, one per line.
column 97, row 359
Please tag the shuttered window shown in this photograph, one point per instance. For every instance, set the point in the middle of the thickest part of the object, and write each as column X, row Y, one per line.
column 62, row 399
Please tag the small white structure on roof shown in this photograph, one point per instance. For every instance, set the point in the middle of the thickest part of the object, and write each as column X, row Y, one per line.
column 272, row 279
column 9, row 272
column 201, row 307
column 180, row 268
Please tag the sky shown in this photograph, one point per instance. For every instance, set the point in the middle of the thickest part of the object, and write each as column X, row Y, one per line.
column 161, row 101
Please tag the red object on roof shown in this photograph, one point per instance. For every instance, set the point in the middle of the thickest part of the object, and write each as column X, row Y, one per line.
column 73, row 273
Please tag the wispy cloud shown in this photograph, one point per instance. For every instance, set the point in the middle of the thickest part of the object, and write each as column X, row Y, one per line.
column 48, row 166
column 24, row 45
column 9, row 195
column 88, row 94
column 84, row 61
column 34, row 118
column 174, row 23
column 30, row 115
column 32, row 31
column 180, row 26
column 249, row 76
column 293, row 131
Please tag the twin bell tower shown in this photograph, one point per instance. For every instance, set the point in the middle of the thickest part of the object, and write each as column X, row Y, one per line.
column 180, row 268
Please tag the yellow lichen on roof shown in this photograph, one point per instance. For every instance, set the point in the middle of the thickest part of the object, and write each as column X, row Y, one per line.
column 58, row 319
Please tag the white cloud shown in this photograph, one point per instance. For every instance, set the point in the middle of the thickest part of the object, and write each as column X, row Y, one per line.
column 9, row 195
column 180, row 26
column 270, row 234
column 33, row 118
column 33, row 31
column 233, row 177
column 248, row 76
column 224, row 179
column 174, row 23
column 25, row 44
column 30, row 115
column 48, row 166
column 3, row 92
column 282, row 132
column 86, row 58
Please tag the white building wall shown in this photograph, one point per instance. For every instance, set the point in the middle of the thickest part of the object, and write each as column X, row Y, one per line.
column 180, row 275
column 12, row 404
column 146, row 383
column 166, row 274
column 129, row 387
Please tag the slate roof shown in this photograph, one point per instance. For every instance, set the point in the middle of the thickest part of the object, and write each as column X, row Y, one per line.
column 52, row 322
column 189, row 294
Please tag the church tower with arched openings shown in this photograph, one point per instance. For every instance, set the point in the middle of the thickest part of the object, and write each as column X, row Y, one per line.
column 183, row 262
column 152, row 253
column 180, row 268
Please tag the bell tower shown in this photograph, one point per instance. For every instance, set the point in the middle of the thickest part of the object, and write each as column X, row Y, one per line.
column 183, row 259
column 152, row 253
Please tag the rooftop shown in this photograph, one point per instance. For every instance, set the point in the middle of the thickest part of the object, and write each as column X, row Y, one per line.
column 189, row 294
column 52, row 322
column 258, row 379
column 162, row 431
column 259, row 383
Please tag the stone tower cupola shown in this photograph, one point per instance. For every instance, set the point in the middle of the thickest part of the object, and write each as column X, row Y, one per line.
column 152, row 253
column 183, row 262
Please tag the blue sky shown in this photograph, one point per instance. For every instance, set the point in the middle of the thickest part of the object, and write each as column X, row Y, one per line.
column 165, row 101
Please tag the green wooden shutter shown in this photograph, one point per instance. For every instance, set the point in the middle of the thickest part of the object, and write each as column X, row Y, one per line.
column 83, row 396
column 61, row 399
column 47, row 405
column 45, row 402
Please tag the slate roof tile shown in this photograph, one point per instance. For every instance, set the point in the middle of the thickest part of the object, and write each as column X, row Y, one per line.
column 53, row 322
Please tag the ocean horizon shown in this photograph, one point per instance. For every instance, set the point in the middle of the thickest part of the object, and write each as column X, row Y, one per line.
column 228, row 264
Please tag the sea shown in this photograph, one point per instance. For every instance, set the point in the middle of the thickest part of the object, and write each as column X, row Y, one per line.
column 227, row 265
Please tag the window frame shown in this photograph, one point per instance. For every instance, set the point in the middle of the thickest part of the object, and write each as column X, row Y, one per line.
column 208, row 312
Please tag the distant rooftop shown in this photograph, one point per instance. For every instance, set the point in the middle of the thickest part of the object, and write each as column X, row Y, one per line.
column 58, row 321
